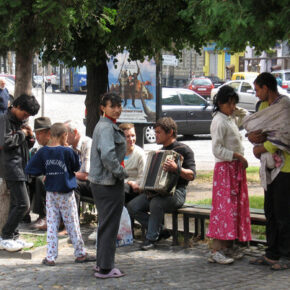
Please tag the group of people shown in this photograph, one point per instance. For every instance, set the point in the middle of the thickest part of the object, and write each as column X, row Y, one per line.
column 109, row 168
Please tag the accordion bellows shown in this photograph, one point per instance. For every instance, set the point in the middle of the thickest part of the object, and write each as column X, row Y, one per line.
column 155, row 178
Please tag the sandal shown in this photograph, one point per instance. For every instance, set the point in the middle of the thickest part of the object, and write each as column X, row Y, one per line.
column 47, row 262
column 282, row 264
column 85, row 259
column 261, row 261
column 114, row 273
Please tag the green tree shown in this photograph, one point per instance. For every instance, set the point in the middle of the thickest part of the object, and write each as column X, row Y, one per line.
column 237, row 23
column 26, row 25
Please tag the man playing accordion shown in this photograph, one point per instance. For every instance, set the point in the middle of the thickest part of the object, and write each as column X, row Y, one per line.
column 149, row 210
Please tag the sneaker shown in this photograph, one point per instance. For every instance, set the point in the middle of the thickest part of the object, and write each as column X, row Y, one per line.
column 10, row 245
column 147, row 245
column 235, row 253
column 220, row 258
column 24, row 244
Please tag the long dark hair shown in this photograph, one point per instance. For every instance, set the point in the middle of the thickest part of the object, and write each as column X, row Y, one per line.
column 224, row 95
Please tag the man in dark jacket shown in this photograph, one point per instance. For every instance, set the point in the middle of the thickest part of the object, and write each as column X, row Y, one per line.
column 18, row 138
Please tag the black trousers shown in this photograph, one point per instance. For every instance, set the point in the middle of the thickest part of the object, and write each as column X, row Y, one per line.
column 19, row 205
column 109, row 201
column 277, row 212
column 39, row 196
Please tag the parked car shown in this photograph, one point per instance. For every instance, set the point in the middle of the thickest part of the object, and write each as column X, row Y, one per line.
column 202, row 86
column 284, row 75
column 244, row 75
column 191, row 112
column 216, row 81
column 37, row 81
column 246, row 91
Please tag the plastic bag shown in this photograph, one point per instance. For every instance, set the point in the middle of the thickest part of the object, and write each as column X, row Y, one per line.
column 124, row 237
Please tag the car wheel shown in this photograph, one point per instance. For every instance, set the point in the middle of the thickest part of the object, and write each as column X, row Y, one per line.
column 149, row 134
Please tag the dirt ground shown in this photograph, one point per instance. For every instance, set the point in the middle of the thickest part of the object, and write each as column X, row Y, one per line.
column 199, row 191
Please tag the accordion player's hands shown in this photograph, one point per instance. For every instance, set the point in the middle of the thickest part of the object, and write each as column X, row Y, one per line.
column 135, row 186
column 170, row 165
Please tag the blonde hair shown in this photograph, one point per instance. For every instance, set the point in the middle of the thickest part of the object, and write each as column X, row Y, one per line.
column 57, row 130
column 126, row 126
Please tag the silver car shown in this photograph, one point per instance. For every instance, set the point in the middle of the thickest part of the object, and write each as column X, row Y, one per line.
column 246, row 91
column 191, row 112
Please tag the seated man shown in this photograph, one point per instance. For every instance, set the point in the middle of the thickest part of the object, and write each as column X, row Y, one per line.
column 166, row 132
column 134, row 162
column 42, row 133
column 82, row 146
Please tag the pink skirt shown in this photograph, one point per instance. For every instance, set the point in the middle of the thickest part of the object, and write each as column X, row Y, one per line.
column 230, row 215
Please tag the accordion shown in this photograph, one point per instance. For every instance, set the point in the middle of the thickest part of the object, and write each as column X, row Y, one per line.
column 156, row 180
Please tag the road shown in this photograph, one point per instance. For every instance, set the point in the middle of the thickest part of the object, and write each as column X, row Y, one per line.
column 61, row 107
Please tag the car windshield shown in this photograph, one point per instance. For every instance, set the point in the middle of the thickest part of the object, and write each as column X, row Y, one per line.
column 201, row 82
column 192, row 99
column 287, row 76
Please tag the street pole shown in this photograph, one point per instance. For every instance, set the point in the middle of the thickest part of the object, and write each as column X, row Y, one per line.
column 42, row 92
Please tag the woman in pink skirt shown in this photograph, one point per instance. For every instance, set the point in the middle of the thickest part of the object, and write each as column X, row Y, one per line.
column 230, row 215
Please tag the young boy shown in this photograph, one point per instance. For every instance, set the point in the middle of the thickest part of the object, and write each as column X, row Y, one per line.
column 58, row 163
column 16, row 139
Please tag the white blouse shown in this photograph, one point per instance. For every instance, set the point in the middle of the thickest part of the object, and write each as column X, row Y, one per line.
column 226, row 138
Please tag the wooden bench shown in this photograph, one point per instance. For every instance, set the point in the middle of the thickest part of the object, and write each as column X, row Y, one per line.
column 200, row 213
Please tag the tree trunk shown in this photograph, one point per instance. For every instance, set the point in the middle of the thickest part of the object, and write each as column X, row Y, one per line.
column 97, row 84
column 4, row 203
column 23, row 84
column 10, row 64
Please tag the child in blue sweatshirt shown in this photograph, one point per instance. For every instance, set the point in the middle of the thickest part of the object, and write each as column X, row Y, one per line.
column 58, row 163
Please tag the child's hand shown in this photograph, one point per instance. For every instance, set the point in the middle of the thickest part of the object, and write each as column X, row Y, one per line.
column 241, row 158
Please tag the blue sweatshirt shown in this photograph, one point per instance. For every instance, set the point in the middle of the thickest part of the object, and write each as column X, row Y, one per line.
column 58, row 164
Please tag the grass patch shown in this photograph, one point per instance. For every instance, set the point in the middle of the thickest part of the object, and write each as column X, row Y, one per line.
column 206, row 176
column 256, row 202
column 37, row 240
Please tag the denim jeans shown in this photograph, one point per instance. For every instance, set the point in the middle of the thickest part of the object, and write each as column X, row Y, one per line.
column 140, row 207
column 19, row 205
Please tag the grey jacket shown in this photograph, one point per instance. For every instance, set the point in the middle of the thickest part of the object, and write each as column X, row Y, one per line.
column 107, row 152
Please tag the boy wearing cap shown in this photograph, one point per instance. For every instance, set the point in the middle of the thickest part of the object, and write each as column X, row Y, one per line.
column 42, row 133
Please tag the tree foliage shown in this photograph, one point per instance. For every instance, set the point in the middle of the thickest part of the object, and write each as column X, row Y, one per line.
column 237, row 23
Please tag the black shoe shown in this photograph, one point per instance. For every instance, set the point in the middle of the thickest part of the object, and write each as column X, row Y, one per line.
column 164, row 234
column 147, row 245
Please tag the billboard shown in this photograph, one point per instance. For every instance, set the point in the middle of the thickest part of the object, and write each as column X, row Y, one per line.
column 135, row 82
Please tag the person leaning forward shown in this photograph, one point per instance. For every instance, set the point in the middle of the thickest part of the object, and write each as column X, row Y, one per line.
column 277, row 193
column 139, row 207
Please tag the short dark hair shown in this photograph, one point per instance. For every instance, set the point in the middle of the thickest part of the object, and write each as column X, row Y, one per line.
column 113, row 97
column 167, row 124
column 268, row 80
column 58, row 129
column 223, row 96
column 27, row 103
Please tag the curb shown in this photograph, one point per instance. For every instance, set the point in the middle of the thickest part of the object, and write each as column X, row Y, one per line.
column 30, row 254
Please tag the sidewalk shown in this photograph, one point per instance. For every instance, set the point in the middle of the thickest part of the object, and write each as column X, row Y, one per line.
column 165, row 267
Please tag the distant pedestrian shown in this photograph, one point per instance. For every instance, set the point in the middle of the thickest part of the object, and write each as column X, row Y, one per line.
column 230, row 215
column 18, row 138
column 4, row 97
column 58, row 163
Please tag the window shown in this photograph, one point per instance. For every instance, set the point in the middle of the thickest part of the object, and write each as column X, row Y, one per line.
column 171, row 100
column 235, row 86
column 245, row 87
column 192, row 100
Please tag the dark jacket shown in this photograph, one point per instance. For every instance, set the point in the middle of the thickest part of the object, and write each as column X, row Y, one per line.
column 14, row 153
